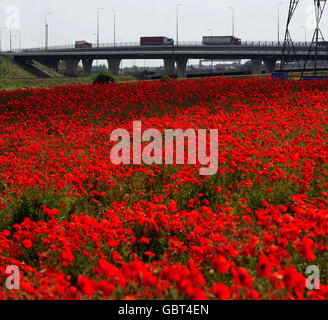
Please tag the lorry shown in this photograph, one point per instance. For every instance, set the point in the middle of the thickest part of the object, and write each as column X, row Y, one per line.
column 156, row 41
column 221, row 40
column 82, row 44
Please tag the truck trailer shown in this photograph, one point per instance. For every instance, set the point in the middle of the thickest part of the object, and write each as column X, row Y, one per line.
column 156, row 41
column 221, row 40
column 82, row 44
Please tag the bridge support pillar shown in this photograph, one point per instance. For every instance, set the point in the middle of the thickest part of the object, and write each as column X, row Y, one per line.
column 256, row 66
column 182, row 68
column 169, row 67
column 87, row 67
column 269, row 65
column 114, row 66
column 71, row 67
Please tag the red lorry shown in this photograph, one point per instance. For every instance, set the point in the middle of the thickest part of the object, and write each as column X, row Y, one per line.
column 82, row 44
column 156, row 41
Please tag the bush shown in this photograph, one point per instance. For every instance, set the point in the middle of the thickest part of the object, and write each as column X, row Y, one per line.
column 166, row 78
column 104, row 78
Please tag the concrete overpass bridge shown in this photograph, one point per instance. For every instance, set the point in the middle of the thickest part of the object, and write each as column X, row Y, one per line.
column 263, row 55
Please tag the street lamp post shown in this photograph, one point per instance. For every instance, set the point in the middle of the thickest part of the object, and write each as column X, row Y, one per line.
column 114, row 13
column 98, row 11
column 278, row 7
column 178, row 5
column 46, row 30
column 10, row 38
column 11, row 41
column 233, row 20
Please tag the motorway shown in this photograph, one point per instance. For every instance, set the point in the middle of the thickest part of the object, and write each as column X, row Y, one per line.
column 262, row 54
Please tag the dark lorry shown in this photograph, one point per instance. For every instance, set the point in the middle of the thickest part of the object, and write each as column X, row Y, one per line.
column 156, row 41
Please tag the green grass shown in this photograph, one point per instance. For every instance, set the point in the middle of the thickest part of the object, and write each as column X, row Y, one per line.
column 11, row 84
column 48, row 70
column 10, row 70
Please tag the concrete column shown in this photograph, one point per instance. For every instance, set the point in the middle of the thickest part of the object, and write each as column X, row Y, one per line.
column 269, row 65
column 182, row 68
column 87, row 66
column 71, row 67
column 169, row 67
column 114, row 66
column 256, row 66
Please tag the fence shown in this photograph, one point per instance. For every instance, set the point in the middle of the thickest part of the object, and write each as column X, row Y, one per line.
column 137, row 45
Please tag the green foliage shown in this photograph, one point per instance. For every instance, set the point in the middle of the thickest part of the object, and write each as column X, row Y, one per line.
column 166, row 78
column 104, row 78
column 29, row 205
column 135, row 69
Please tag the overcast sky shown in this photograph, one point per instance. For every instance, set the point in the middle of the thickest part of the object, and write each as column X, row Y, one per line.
column 72, row 20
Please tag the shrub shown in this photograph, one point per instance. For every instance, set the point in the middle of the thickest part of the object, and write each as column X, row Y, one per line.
column 166, row 78
column 104, row 78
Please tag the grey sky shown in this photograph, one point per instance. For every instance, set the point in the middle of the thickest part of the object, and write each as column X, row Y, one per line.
column 76, row 19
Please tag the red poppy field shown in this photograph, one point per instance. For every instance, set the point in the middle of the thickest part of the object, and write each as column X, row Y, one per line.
column 80, row 227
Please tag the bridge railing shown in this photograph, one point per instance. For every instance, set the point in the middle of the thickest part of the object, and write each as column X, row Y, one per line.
column 137, row 44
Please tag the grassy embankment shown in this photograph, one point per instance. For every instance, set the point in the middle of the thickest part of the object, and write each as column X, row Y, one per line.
column 12, row 76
